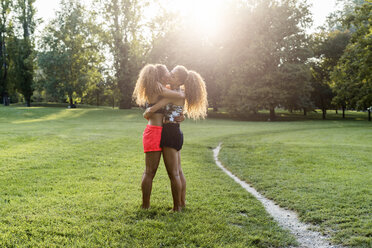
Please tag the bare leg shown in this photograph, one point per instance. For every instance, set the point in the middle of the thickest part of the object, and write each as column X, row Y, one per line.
column 152, row 164
column 183, row 181
column 170, row 157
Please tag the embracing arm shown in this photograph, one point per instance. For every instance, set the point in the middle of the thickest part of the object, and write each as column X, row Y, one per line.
column 167, row 93
column 149, row 111
column 159, row 105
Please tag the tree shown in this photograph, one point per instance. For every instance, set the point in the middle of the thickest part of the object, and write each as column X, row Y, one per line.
column 269, row 44
column 4, row 57
column 25, row 59
column 328, row 47
column 123, row 37
column 336, row 19
column 321, row 94
column 353, row 75
column 70, row 59
column 179, row 46
column 256, row 61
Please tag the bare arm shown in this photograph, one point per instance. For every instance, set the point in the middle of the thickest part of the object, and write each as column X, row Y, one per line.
column 149, row 111
column 180, row 118
column 167, row 93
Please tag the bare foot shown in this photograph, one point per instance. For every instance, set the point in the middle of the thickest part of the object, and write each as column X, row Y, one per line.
column 173, row 210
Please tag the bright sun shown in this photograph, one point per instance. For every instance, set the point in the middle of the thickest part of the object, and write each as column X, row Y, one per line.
column 203, row 14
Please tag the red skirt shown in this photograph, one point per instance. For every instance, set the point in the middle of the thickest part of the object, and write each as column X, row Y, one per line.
column 151, row 138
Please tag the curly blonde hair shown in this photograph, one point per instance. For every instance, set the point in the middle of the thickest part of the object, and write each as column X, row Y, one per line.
column 196, row 101
column 162, row 71
column 147, row 85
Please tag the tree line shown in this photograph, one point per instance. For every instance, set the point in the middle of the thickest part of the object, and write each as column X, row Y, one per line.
column 261, row 58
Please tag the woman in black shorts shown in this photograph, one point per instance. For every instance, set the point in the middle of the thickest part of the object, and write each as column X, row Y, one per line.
column 195, row 106
column 150, row 88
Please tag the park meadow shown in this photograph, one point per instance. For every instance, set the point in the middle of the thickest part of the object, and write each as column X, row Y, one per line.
column 71, row 178
column 287, row 88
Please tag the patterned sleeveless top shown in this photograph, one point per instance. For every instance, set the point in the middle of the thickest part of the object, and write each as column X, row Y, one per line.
column 171, row 111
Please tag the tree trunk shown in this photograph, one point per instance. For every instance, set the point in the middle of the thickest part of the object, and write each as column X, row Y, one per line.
column 305, row 111
column 272, row 113
column 71, row 100
column 215, row 108
column 336, row 111
column 343, row 112
column 369, row 114
column 324, row 112
column 97, row 99
column 28, row 102
column 6, row 101
column 125, row 101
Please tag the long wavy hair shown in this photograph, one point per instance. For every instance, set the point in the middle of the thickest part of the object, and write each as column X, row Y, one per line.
column 147, row 85
column 196, row 101
column 162, row 71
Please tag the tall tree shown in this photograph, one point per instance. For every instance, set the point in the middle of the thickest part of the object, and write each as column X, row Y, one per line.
column 328, row 47
column 70, row 57
column 353, row 75
column 269, row 53
column 25, row 59
column 257, row 61
column 4, row 58
column 123, row 26
column 322, row 94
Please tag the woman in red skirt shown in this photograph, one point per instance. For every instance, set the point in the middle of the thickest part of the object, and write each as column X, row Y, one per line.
column 149, row 89
column 195, row 105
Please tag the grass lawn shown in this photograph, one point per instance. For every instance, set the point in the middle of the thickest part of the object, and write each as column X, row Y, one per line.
column 71, row 177
column 323, row 170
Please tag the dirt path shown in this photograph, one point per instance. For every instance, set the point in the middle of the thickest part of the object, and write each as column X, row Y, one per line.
column 286, row 218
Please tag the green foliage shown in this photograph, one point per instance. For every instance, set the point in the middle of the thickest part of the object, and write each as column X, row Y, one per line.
column 353, row 75
column 328, row 47
column 256, row 61
column 266, row 54
column 25, row 56
column 122, row 27
column 5, row 34
column 335, row 21
column 24, row 65
column 70, row 59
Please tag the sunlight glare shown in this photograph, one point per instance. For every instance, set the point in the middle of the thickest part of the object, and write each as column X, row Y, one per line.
column 202, row 14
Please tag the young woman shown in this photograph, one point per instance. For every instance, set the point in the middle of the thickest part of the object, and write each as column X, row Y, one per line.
column 149, row 89
column 195, row 105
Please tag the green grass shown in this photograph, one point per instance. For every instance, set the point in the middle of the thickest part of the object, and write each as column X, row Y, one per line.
column 71, row 177
column 321, row 170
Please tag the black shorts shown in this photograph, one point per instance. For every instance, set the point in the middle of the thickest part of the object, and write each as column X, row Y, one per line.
column 171, row 136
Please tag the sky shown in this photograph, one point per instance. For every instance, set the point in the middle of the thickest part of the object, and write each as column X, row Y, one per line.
column 321, row 8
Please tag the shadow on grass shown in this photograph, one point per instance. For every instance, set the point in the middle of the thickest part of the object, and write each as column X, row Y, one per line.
column 156, row 212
